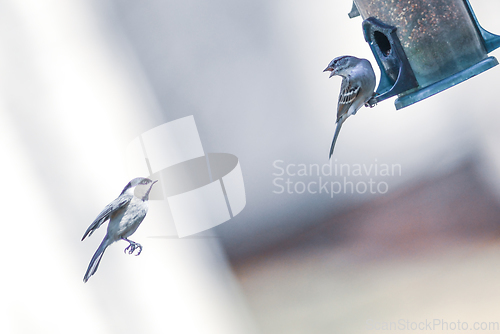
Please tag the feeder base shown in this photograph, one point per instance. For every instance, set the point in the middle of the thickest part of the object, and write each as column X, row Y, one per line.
column 423, row 93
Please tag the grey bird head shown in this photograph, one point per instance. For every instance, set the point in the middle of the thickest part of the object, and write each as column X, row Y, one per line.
column 139, row 187
column 341, row 65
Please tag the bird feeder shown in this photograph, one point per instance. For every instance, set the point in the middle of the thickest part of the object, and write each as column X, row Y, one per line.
column 423, row 47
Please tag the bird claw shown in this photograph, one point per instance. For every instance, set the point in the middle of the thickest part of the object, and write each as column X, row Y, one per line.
column 371, row 102
column 132, row 247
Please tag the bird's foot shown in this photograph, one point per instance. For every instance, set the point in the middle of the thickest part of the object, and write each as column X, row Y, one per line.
column 371, row 102
column 132, row 247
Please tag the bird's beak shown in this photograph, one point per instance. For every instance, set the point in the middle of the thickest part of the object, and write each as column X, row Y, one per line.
column 331, row 69
column 154, row 182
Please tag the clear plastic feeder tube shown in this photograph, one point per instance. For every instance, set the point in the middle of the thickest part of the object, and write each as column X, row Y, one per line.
column 438, row 36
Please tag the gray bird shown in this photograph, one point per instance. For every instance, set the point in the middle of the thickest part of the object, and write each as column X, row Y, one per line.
column 125, row 214
column 358, row 84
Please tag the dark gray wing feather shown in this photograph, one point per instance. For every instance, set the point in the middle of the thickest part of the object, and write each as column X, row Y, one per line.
column 348, row 94
column 117, row 204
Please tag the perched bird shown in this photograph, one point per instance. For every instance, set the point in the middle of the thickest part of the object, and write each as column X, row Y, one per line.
column 358, row 84
column 125, row 214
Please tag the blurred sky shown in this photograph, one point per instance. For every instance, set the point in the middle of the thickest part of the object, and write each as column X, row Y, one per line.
column 81, row 79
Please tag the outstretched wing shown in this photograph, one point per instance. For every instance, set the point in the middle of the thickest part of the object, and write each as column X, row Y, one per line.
column 348, row 94
column 117, row 204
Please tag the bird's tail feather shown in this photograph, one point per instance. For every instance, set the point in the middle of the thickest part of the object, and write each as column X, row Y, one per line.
column 337, row 131
column 96, row 259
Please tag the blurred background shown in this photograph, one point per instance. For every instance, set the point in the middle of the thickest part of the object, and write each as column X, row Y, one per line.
column 81, row 79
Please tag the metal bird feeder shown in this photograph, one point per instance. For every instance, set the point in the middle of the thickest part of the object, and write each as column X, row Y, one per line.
column 423, row 47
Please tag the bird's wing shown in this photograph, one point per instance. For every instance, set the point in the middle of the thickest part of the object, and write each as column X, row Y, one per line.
column 117, row 204
column 348, row 94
